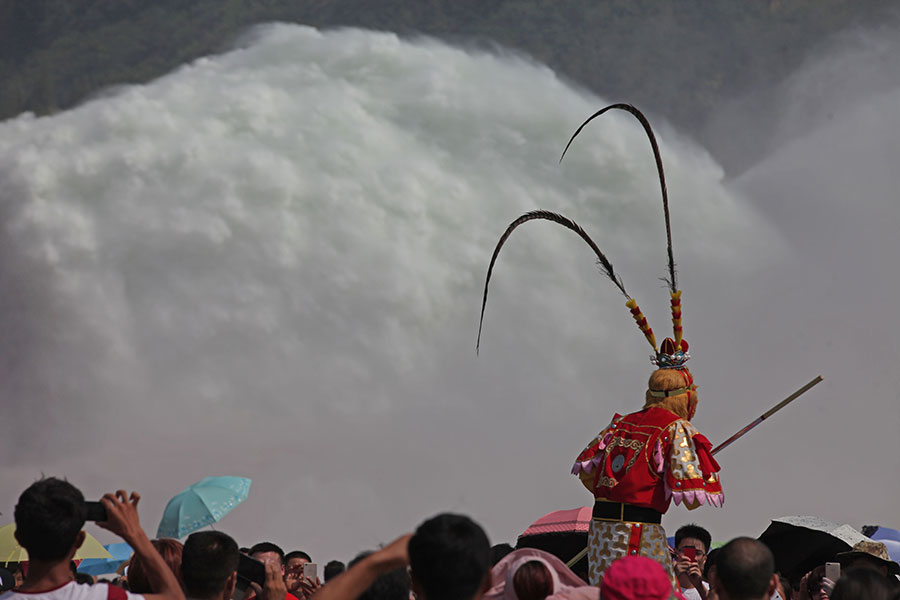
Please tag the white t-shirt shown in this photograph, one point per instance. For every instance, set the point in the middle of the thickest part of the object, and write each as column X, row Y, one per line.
column 74, row 591
column 690, row 593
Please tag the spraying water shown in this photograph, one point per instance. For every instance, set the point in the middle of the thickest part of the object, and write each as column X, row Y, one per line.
column 269, row 264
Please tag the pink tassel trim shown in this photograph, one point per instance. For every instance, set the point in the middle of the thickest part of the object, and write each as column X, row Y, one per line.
column 590, row 464
column 587, row 466
column 701, row 496
column 658, row 457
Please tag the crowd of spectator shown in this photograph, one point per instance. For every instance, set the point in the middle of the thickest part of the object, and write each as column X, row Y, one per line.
column 448, row 557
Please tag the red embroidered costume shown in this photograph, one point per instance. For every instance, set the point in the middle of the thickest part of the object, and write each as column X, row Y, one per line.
column 649, row 458
column 637, row 465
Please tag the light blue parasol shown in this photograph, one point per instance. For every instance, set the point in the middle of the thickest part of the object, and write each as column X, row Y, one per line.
column 202, row 504
column 100, row 566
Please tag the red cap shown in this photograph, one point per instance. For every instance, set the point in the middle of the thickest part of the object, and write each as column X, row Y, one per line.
column 637, row 578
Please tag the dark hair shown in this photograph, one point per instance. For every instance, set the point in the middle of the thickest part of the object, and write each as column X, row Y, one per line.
column 449, row 556
column 267, row 547
column 533, row 581
column 393, row 585
column 710, row 562
column 744, row 567
column 49, row 516
column 170, row 550
column 860, row 583
column 333, row 569
column 498, row 551
column 693, row 530
column 292, row 555
column 207, row 561
column 84, row 578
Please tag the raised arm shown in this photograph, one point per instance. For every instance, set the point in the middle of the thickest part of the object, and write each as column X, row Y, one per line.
column 357, row 579
column 122, row 519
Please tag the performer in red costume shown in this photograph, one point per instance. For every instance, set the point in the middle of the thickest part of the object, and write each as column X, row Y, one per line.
column 641, row 462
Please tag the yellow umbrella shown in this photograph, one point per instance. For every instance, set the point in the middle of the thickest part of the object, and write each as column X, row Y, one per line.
column 11, row 551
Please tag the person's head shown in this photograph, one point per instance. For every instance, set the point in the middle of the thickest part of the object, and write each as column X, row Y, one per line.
column 498, row 551
column 268, row 552
column 814, row 583
column 298, row 556
column 862, row 584
column 709, row 565
column 171, row 551
column 869, row 554
column 635, row 577
column 449, row 558
column 393, row 585
column 864, row 562
column 532, row 581
column 49, row 516
column 332, row 569
column 696, row 537
column 18, row 572
column 745, row 570
column 673, row 390
column 294, row 561
column 209, row 562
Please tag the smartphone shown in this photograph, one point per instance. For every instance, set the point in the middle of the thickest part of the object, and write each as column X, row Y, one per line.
column 833, row 570
column 689, row 552
column 309, row 570
column 251, row 570
column 95, row 511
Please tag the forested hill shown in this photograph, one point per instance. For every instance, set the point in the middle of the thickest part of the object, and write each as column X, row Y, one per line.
column 680, row 59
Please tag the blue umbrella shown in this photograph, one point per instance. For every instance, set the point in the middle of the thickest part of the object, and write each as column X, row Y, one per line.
column 890, row 538
column 202, row 504
column 100, row 566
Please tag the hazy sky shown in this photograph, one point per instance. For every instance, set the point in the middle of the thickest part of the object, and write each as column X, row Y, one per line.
column 269, row 264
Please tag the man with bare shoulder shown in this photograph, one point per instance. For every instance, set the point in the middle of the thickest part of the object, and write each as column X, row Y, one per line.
column 49, row 518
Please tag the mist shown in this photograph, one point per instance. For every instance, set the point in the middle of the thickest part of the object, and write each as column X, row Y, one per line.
column 269, row 263
column 845, row 70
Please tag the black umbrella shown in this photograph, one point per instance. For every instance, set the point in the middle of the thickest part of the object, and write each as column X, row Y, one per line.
column 802, row 543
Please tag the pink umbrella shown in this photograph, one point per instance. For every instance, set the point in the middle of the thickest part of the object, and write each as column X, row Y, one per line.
column 562, row 533
column 575, row 520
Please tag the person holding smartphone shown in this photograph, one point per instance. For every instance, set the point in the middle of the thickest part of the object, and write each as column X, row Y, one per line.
column 691, row 546
column 300, row 574
column 49, row 517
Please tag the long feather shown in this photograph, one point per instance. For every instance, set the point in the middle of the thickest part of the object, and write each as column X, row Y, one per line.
column 556, row 218
column 673, row 283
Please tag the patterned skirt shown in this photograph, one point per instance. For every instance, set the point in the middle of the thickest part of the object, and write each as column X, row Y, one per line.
column 609, row 540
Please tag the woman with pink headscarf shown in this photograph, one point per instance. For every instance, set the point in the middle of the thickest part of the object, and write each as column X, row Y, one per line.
column 531, row 574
